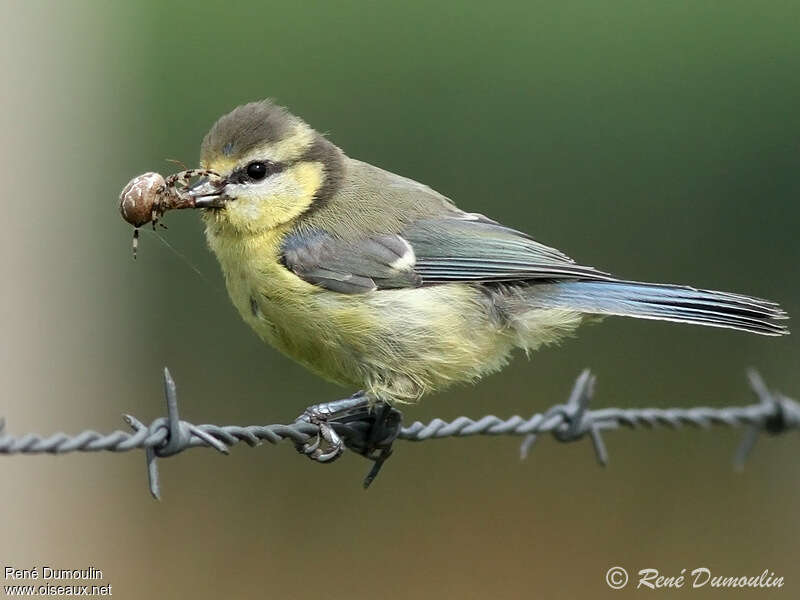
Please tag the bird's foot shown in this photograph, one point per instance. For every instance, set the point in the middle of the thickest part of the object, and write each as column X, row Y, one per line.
column 327, row 445
column 371, row 429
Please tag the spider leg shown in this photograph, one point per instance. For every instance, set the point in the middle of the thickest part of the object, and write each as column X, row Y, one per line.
column 175, row 161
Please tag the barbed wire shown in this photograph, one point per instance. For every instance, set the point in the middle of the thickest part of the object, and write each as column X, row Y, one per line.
column 774, row 413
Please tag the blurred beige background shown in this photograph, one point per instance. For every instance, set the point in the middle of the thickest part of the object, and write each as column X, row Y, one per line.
column 656, row 140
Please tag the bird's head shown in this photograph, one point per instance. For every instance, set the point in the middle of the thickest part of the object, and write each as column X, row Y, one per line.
column 273, row 168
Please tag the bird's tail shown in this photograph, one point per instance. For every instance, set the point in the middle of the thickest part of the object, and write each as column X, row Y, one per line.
column 667, row 303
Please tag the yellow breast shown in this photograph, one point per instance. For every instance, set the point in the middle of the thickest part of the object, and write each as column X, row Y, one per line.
column 396, row 344
column 316, row 328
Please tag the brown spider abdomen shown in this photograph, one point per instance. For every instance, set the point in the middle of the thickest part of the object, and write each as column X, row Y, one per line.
column 140, row 197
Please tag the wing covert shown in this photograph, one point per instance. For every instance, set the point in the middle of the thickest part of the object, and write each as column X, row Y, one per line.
column 350, row 267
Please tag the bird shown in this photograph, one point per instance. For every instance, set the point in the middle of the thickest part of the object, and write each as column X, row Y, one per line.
column 378, row 282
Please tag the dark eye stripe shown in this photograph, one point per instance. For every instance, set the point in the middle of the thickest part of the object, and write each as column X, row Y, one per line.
column 240, row 175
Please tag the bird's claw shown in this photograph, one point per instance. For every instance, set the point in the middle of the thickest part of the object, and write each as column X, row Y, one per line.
column 371, row 431
column 314, row 449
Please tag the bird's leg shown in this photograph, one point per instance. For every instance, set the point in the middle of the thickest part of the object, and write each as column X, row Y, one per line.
column 377, row 446
column 372, row 427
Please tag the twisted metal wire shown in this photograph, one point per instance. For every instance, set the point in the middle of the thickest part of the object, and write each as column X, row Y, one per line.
column 571, row 421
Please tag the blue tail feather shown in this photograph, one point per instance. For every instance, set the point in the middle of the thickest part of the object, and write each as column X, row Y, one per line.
column 669, row 303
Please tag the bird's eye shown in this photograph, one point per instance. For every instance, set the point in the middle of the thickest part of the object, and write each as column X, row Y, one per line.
column 256, row 171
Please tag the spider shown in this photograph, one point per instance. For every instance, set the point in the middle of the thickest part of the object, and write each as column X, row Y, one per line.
column 147, row 197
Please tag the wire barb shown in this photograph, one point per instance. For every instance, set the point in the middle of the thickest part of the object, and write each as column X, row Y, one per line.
column 568, row 422
column 781, row 415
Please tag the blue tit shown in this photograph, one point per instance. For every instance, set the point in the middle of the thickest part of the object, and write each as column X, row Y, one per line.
column 376, row 281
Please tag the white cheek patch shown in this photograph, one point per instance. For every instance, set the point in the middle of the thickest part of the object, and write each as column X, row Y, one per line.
column 248, row 200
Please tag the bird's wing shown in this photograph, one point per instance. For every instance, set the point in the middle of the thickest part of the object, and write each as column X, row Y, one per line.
column 449, row 249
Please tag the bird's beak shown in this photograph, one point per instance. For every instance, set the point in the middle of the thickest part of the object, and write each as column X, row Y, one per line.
column 208, row 193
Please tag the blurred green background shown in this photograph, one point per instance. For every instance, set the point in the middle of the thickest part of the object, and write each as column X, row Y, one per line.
column 656, row 140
